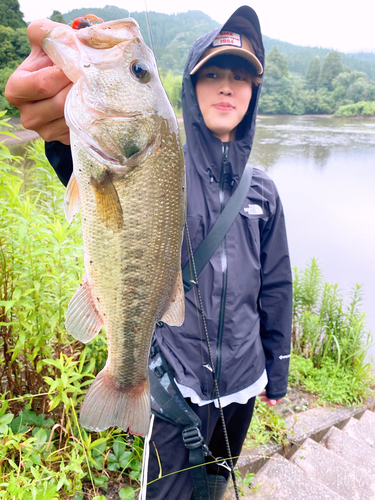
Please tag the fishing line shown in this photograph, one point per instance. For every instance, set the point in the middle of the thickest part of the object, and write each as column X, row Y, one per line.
column 212, row 367
column 149, row 30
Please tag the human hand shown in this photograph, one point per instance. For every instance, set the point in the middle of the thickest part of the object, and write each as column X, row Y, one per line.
column 268, row 401
column 38, row 88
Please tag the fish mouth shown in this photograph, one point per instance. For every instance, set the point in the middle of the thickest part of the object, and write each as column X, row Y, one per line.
column 96, row 150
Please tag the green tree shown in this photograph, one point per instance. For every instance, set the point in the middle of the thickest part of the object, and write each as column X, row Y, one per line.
column 14, row 46
column 331, row 68
column 172, row 84
column 21, row 43
column 7, row 49
column 313, row 73
column 57, row 17
column 277, row 92
column 10, row 14
column 276, row 64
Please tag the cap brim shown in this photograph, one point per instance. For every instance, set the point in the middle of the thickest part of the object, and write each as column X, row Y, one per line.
column 254, row 61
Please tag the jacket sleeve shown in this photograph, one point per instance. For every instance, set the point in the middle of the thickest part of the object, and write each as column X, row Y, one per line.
column 60, row 157
column 276, row 299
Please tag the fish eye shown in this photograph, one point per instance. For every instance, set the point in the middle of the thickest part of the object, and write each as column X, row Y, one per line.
column 140, row 71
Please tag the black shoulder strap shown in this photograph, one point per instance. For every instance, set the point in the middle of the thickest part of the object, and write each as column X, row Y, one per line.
column 209, row 245
column 168, row 403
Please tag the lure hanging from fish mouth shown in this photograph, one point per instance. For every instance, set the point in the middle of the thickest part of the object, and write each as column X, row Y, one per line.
column 85, row 21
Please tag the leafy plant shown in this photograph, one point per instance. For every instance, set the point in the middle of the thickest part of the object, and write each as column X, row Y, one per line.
column 266, row 425
column 44, row 374
column 330, row 339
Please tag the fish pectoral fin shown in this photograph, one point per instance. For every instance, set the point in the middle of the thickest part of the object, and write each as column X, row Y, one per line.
column 71, row 199
column 108, row 203
column 175, row 314
column 83, row 321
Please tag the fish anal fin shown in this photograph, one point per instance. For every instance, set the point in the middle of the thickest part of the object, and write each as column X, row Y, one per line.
column 71, row 199
column 175, row 314
column 108, row 203
column 83, row 321
column 107, row 405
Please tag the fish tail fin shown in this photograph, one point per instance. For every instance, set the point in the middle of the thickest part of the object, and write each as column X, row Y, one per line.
column 105, row 405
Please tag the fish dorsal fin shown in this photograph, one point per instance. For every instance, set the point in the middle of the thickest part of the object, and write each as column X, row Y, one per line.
column 175, row 314
column 83, row 321
column 71, row 199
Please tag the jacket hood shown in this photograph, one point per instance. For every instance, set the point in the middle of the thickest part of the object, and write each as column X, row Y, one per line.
column 204, row 149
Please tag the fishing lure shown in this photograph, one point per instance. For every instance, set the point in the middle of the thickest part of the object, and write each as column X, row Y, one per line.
column 85, row 21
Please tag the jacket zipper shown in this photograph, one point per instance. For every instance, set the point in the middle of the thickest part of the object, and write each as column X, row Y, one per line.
column 224, row 267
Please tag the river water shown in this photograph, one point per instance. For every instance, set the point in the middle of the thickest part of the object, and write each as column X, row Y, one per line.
column 324, row 169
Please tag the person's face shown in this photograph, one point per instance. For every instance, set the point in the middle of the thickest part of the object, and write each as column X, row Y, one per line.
column 223, row 97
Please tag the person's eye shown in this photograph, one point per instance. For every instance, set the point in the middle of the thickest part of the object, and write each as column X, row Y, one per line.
column 211, row 75
column 240, row 78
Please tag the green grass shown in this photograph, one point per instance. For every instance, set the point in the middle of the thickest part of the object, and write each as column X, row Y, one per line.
column 44, row 453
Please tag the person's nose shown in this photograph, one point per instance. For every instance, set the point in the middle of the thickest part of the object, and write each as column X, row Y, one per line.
column 226, row 87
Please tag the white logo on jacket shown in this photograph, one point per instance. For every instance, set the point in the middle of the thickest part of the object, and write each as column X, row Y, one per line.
column 253, row 210
column 284, row 357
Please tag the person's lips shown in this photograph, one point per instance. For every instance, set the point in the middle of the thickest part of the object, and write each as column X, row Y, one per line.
column 223, row 106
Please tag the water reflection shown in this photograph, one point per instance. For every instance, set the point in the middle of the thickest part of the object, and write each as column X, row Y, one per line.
column 308, row 137
column 324, row 169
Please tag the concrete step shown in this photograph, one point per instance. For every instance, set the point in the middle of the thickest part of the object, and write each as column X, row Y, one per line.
column 336, row 473
column 279, row 479
column 368, row 418
column 315, row 423
column 354, row 451
column 360, row 430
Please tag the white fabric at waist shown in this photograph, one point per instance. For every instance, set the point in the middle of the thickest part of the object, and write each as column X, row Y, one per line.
column 241, row 397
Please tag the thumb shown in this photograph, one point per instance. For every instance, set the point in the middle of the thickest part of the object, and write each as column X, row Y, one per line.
column 36, row 32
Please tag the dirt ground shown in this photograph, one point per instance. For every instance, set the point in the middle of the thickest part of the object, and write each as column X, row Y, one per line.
column 22, row 135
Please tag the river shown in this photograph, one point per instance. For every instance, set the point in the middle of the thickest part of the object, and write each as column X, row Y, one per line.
column 324, row 169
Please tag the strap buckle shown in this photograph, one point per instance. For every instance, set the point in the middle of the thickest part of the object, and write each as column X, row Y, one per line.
column 193, row 439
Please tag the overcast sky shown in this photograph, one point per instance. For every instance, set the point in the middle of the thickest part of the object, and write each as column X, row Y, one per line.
column 320, row 23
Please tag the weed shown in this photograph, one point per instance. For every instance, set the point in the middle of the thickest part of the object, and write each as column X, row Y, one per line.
column 266, row 425
column 44, row 453
column 330, row 339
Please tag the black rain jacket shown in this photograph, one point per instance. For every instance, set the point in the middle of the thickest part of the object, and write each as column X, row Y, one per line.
column 246, row 287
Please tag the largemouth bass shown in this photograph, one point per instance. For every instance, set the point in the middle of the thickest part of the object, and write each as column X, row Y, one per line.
column 129, row 182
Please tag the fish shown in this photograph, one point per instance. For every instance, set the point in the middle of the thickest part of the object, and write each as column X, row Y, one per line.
column 128, row 182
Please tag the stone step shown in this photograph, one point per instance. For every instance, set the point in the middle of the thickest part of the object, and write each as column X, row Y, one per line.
column 279, row 479
column 334, row 472
column 360, row 430
column 349, row 448
column 315, row 423
column 368, row 418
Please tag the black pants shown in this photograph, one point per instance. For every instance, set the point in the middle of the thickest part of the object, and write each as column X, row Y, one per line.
column 167, row 447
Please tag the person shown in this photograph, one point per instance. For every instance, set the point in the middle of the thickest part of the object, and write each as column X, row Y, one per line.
column 246, row 286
